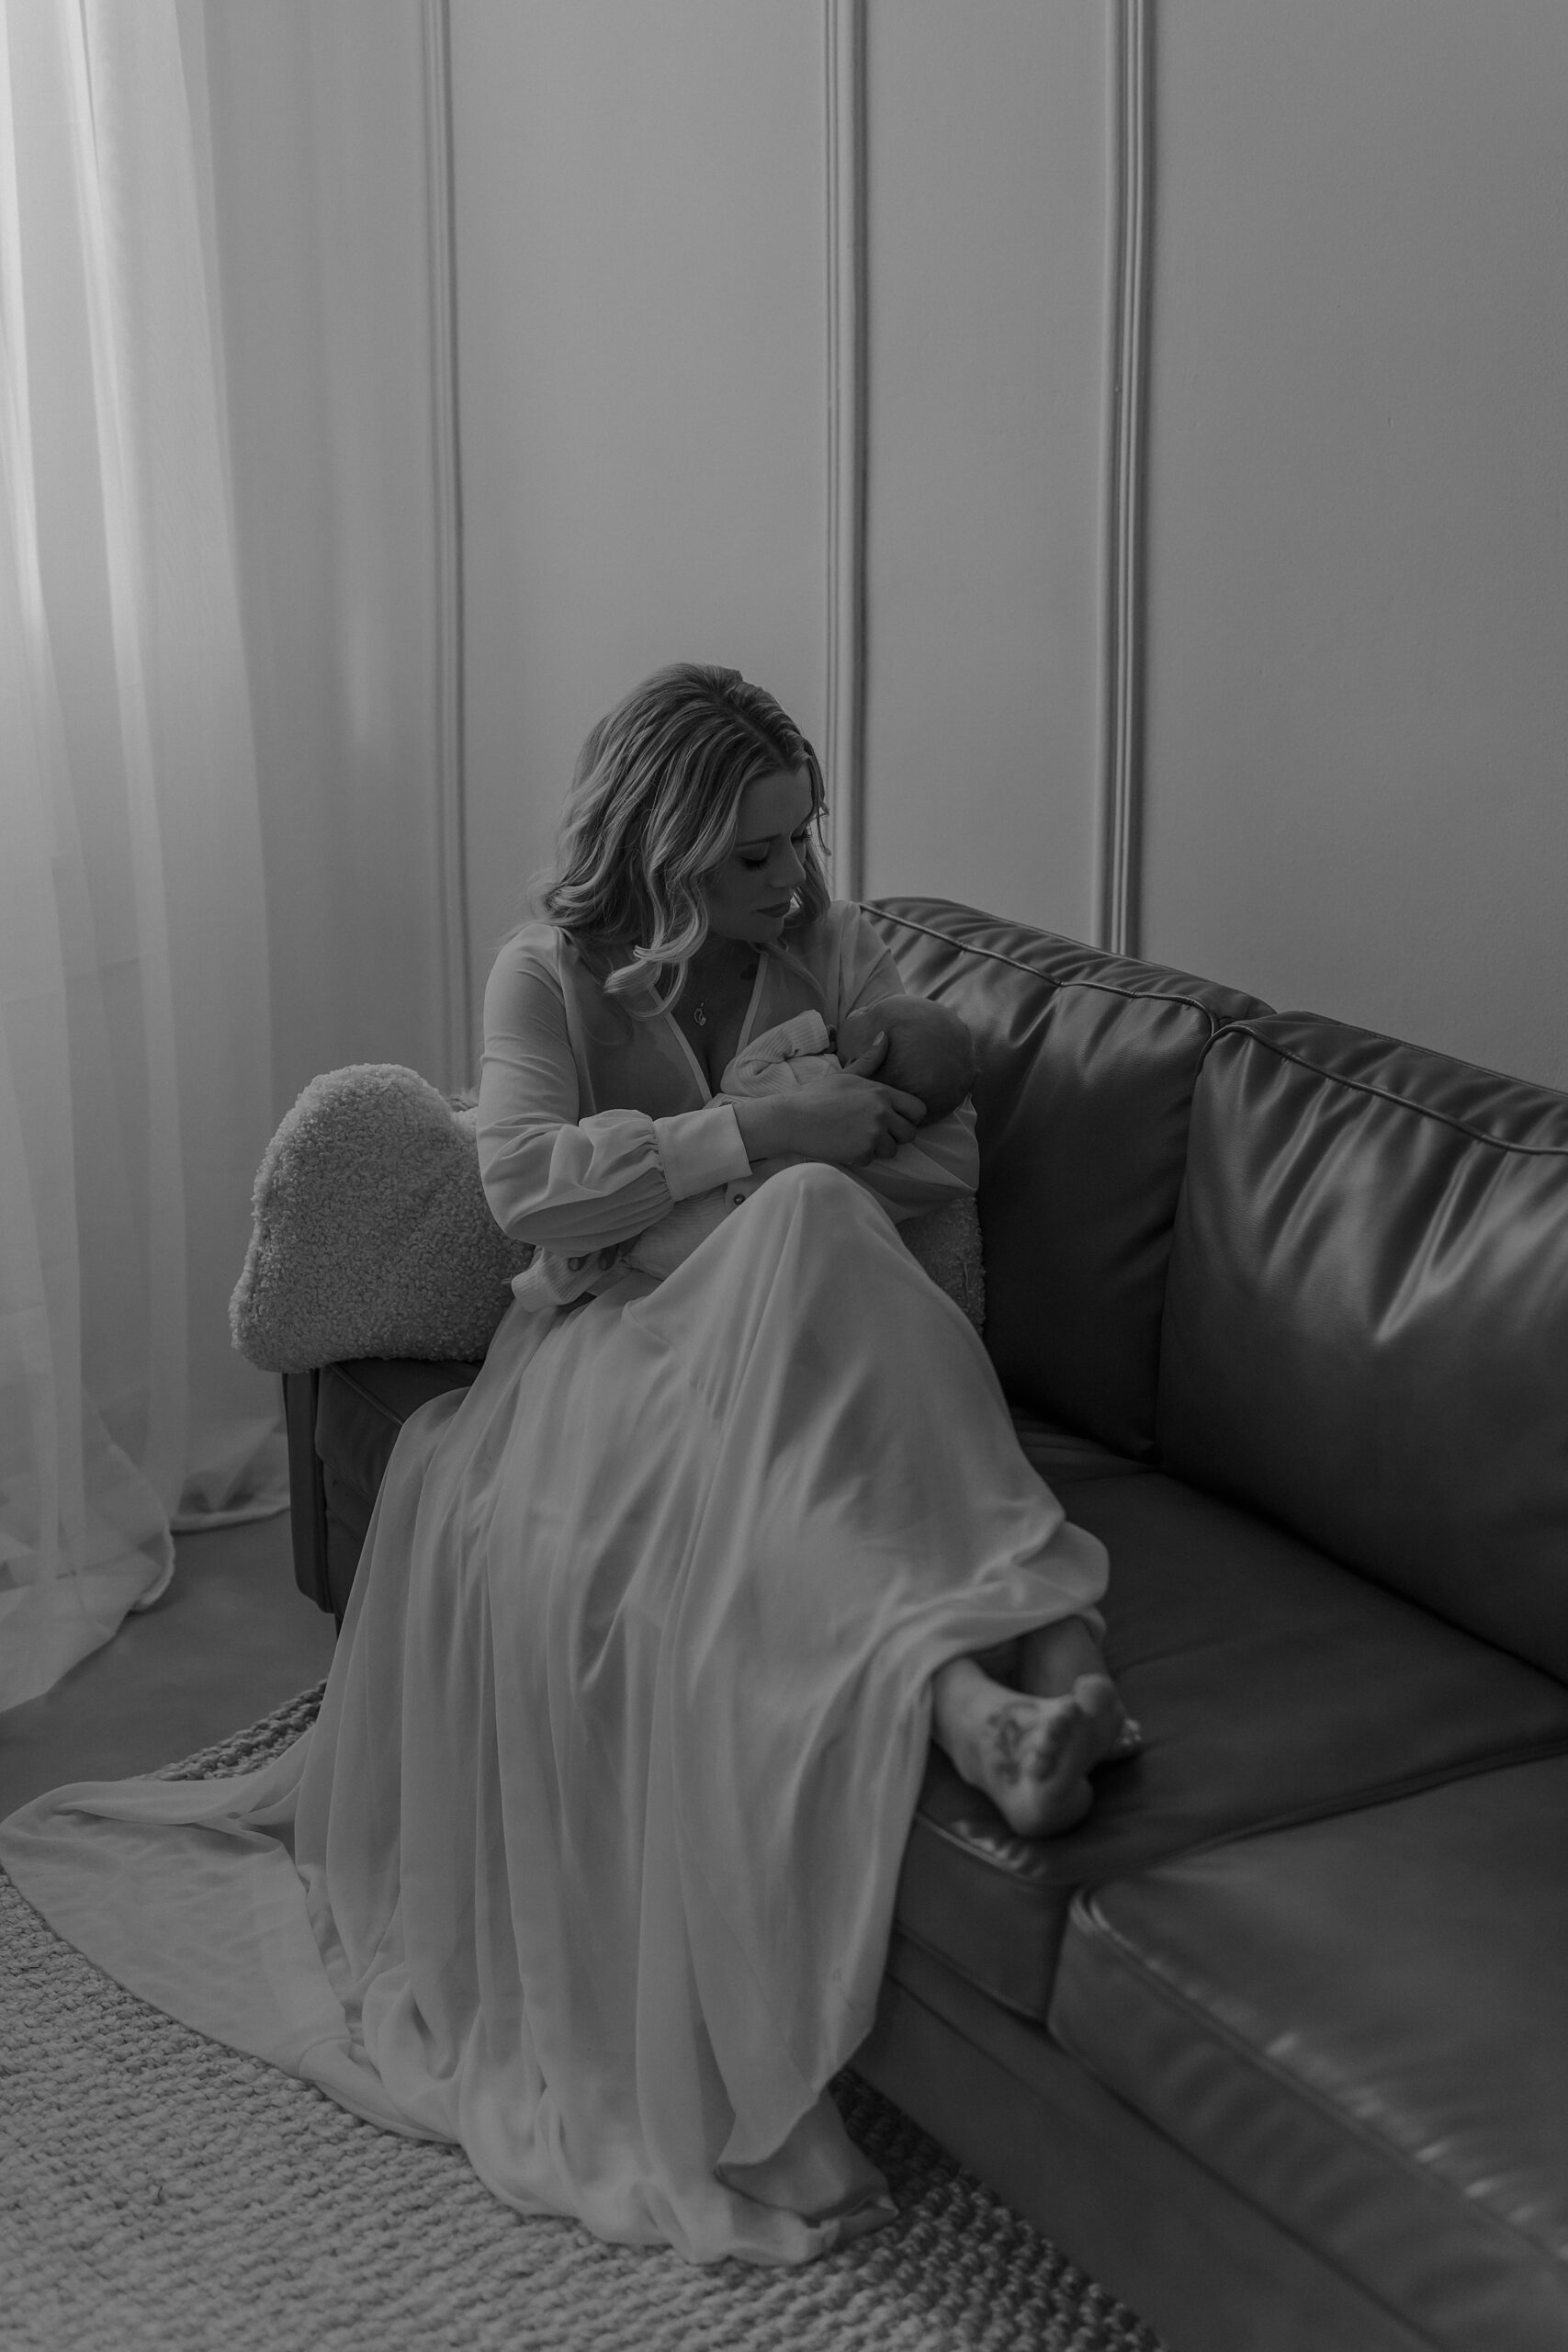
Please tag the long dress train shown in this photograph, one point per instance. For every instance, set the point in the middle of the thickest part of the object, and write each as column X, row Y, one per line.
column 589, row 1860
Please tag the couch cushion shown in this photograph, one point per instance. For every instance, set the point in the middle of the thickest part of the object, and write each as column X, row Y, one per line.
column 1367, row 1320
column 1272, row 1688
column 1360, row 2025
column 1087, row 1068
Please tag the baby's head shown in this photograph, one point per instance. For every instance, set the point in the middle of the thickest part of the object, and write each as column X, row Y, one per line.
column 929, row 1050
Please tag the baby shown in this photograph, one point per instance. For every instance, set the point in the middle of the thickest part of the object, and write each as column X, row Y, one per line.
column 929, row 1055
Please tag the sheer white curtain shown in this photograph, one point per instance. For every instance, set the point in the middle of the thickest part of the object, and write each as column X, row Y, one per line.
column 135, row 1089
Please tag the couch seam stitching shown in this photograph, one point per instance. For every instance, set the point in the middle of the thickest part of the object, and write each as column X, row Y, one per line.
column 1539, row 1751
column 1247, row 2053
column 1105, row 987
column 1287, row 2230
column 365, row 1395
column 1393, row 1791
column 1244, row 1028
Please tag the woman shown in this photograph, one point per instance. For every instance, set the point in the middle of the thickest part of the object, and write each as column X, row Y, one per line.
column 589, row 1862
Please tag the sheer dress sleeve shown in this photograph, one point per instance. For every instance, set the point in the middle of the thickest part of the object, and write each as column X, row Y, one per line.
column 569, row 1182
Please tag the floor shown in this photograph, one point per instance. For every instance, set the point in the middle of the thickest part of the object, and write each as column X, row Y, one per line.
column 232, row 1638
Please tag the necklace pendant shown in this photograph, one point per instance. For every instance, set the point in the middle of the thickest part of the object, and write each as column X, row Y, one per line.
column 699, row 1016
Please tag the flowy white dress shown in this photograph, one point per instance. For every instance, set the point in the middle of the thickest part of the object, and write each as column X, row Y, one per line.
column 587, row 1863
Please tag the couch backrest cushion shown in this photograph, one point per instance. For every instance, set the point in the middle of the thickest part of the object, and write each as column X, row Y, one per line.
column 1366, row 1328
column 1088, row 1063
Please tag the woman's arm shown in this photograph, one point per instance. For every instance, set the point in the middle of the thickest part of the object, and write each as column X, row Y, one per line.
column 852, row 1119
column 846, row 1118
column 568, row 1183
column 940, row 1162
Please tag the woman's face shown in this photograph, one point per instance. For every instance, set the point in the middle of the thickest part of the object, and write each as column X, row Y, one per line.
column 750, row 896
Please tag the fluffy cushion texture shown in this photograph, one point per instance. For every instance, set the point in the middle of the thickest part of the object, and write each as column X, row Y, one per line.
column 372, row 1234
column 946, row 1242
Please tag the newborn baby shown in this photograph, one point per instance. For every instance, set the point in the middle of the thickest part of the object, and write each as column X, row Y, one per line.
column 929, row 1055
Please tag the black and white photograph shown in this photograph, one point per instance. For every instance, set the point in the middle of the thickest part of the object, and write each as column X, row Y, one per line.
column 784, row 1175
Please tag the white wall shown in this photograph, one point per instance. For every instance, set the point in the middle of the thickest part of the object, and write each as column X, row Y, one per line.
column 1353, row 789
column 642, row 356
column 1357, row 726
column 643, row 301
column 985, row 218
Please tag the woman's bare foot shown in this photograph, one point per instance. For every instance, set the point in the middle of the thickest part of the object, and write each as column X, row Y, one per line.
column 1031, row 1755
column 1052, row 1659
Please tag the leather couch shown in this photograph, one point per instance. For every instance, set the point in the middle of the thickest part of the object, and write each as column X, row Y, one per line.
column 1276, row 2043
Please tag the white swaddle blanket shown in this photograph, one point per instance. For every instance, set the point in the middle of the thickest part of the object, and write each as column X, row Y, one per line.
column 796, row 1052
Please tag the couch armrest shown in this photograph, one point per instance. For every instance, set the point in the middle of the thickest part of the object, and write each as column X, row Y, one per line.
column 307, row 1497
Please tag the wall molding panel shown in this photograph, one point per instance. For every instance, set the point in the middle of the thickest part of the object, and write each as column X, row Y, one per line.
column 844, row 748
column 1118, row 829
column 452, row 898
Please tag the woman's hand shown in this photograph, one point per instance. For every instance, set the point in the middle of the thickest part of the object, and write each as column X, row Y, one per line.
column 846, row 1118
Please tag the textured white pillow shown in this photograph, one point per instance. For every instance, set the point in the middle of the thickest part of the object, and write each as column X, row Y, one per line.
column 372, row 1234
column 373, row 1237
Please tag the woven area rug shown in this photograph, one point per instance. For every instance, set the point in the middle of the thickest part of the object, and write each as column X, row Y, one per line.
column 160, row 2193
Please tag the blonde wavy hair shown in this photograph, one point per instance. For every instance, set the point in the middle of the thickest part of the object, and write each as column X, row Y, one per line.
column 654, row 808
